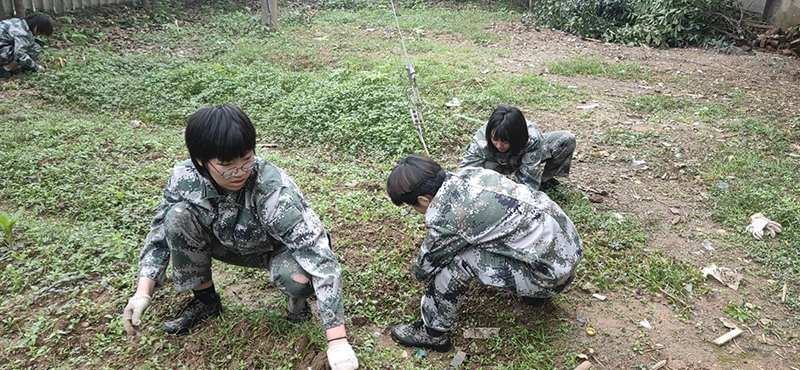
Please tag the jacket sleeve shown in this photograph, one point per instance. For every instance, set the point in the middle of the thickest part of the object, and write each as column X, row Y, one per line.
column 476, row 154
column 155, row 256
column 22, row 46
column 437, row 251
column 529, row 171
column 292, row 222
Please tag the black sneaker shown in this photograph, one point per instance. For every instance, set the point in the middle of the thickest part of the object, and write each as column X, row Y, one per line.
column 550, row 184
column 417, row 335
column 4, row 74
column 298, row 311
column 190, row 316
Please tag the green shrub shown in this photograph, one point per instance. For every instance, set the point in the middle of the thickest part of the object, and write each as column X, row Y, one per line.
column 658, row 23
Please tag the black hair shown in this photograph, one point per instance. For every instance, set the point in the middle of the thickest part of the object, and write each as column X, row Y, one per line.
column 223, row 132
column 415, row 175
column 42, row 23
column 509, row 125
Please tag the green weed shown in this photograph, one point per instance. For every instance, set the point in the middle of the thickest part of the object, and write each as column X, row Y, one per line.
column 7, row 222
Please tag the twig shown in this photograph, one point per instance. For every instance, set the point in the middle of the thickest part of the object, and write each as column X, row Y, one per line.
column 662, row 290
column 783, row 296
column 598, row 361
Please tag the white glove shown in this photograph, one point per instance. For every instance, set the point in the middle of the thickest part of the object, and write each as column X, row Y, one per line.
column 342, row 357
column 132, row 316
column 759, row 225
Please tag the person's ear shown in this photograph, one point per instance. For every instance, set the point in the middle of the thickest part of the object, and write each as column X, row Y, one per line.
column 424, row 200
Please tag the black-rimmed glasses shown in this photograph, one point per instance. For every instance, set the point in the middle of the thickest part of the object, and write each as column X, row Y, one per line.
column 231, row 172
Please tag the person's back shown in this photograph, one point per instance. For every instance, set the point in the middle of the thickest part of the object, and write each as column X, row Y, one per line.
column 494, row 213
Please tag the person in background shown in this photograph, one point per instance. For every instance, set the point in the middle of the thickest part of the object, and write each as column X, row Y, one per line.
column 230, row 205
column 508, row 143
column 18, row 43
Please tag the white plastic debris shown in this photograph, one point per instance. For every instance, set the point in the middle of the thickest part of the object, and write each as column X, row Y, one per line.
column 645, row 324
column 588, row 106
column 724, row 275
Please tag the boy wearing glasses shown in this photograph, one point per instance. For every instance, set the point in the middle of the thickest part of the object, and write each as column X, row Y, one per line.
column 230, row 205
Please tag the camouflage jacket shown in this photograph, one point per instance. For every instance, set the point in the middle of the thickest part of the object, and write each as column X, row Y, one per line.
column 266, row 214
column 482, row 208
column 15, row 33
column 524, row 165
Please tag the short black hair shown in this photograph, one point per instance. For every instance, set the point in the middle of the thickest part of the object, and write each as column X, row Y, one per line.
column 42, row 23
column 509, row 125
column 415, row 175
column 223, row 132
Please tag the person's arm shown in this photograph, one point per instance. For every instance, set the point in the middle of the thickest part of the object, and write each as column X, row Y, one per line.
column 294, row 224
column 475, row 155
column 21, row 47
column 529, row 171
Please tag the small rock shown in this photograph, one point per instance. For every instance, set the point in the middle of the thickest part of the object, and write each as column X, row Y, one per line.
column 596, row 198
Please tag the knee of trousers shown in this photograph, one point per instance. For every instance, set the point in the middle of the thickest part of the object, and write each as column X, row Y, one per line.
column 283, row 277
column 180, row 221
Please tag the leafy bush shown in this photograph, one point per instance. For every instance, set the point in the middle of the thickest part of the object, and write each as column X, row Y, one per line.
column 356, row 111
column 658, row 23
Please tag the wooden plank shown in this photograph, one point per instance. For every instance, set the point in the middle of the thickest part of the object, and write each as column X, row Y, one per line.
column 727, row 337
column 38, row 6
column 586, row 365
column 659, row 365
column 3, row 10
column 47, row 5
column 58, row 6
column 68, row 5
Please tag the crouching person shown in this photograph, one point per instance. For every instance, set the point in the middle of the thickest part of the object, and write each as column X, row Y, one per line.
column 485, row 227
column 18, row 45
column 228, row 204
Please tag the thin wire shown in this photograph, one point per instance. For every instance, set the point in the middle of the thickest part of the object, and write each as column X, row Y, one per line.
column 413, row 97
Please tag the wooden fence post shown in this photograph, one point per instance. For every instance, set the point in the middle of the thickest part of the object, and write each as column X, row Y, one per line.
column 19, row 9
column 269, row 13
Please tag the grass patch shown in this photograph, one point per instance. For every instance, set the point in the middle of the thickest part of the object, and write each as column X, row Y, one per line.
column 597, row 67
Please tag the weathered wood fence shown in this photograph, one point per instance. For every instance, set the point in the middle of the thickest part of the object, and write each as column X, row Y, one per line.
column 54, row 6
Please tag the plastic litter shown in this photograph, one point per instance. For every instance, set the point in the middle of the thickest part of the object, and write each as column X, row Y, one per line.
column 481, row 333
column 724, row 275
column 707, row 245
column 458, row 359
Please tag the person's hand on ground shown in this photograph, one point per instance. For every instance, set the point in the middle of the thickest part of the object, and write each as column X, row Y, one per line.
column 132, row 316
column 342, row 357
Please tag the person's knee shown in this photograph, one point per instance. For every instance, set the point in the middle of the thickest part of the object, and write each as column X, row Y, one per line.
column 300, row 278
column 178, row 218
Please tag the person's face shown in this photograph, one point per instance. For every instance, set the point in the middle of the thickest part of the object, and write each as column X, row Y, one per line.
column 502, row 146
column 424, row 201
column 237, row 171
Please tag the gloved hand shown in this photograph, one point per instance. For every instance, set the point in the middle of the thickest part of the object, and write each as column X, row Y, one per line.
column 342, row 357
column 759, row 225
column 132, row 316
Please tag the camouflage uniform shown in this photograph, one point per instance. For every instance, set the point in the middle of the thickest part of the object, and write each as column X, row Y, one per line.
column 17, row 44
column 554, row 149
column 484, row 226
column 266, row 224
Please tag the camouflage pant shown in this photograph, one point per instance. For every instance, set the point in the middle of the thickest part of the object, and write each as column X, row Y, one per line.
column 192, row 248
column 445, row 293
column 559, row 145
column 7, row 53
